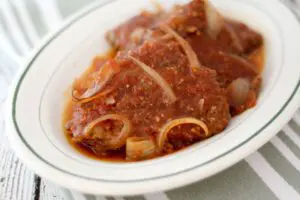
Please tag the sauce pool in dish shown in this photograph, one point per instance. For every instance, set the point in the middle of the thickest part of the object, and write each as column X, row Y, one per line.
column 174, row 78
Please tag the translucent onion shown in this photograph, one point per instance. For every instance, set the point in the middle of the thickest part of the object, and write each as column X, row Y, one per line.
column 157, row 78
column 166, row 37
column 190, row 53
column 98, row 85
column 242, row 60
column 138, row 148
column 215, row 21
column 201, row 105
column 100, row 94
column 137, row 35
column 238, row 91
column 163, row 134
column 120, row 140
column 235, row 38
column 103, row 77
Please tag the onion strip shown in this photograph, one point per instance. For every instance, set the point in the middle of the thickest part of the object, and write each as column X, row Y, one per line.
column 163, row 134
column 138, row 148
column 157, row 78
column 98, row 85
column 105, row 75
column 124, row 134
column 100, row 94
column 215, row 21
column 241, row 60
column 235, row 38
column 166, row 37
column 190, row 53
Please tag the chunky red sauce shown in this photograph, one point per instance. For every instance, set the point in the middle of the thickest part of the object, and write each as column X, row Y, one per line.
column 147, row 99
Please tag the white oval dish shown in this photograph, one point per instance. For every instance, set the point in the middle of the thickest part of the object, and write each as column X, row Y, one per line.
column 35, row 105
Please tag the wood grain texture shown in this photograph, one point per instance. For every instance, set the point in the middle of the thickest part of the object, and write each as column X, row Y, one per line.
column 16, row 181
column 50, row 191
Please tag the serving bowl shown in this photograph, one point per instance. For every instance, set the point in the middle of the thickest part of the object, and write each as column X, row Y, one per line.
column 36, row 101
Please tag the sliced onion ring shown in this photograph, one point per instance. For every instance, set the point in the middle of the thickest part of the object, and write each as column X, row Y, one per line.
column 190, row 53
column 104, row 76
column 138, row 148
column 157, row 78
column 163, row 134
column 215, row 22
column 124, row 134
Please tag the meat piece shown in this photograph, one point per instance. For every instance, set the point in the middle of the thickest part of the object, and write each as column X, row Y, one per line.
column 191, row 19
column 169, row 60
column 141, row 100
column 133, row 32
column 206, row 93
column 161, row 54
column 188, row 19
column 239, row 38
column 227, row 54
column 224, row 54
column 228, row 66
column 139, row 28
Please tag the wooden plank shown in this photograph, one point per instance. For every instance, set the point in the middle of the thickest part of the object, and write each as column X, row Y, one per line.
column 50, row 191
column 16, row 181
